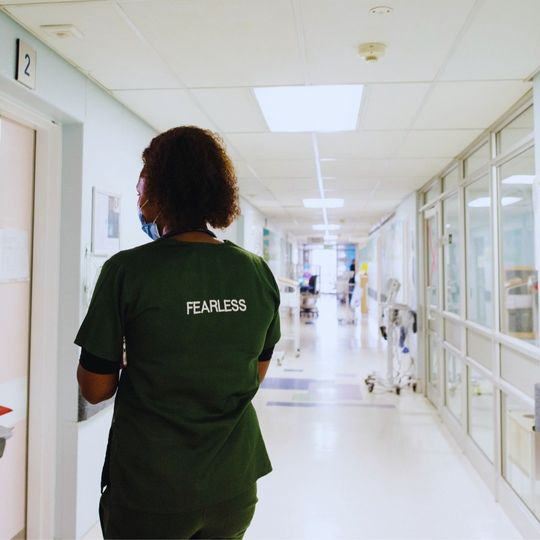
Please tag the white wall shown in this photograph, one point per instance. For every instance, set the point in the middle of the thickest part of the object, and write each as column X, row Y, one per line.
column 102, row 145
column 253, row 225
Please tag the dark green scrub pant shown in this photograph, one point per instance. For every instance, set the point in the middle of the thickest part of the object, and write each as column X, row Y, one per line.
column 228, row 519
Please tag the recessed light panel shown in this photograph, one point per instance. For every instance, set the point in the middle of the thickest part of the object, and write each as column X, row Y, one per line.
column 484, row 202
column 323, row 227
column 310, row 108
column 323, row 203
column 520, row 180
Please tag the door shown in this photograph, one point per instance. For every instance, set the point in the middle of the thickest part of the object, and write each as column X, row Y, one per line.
column 17, row 144
column 433, row 284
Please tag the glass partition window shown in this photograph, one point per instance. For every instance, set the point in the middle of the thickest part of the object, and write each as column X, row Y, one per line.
column 481, row 413
column 452, row 282
column 479, row 252
column 515, row 131
column 520, row 220
column 451, row 180
column 519, row 448
column 453, row 384
column 433, row 192
column 477, row 159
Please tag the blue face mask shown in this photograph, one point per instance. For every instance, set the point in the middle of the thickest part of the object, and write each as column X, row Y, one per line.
column 151, row 229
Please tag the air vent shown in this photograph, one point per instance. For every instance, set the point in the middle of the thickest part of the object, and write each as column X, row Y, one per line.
column 62, row 31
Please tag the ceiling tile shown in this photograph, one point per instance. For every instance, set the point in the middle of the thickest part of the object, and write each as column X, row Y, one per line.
column 502, row 42
column 351, row 196
column 290, row 184
column 285, row 168
column 164, row 109
column 213, row 43
column 468, row 105
column 233, row 110
column 437, row 143
column 371, row 144
column 391, row 106
column 333, row 184
column 110, row 50
column 273, row 146
column 383, row 167
column 244, row 170
column 401, row 185
column 415, row 51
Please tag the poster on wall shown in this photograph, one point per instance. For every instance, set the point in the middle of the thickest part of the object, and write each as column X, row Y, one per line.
column 105, row 222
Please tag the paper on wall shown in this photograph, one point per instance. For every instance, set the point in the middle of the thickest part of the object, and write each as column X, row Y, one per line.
column 14, row 255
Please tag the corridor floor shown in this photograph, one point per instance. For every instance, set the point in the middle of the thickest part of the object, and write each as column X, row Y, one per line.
column 353, row 465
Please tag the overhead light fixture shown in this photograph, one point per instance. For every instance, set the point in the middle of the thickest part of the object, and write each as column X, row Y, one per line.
column 323, row 203
column 485, row 202
column 324, row 227
column 520, row 180
column 62, row 31
column 481, row 202
column 310, row 108
column 507, row 201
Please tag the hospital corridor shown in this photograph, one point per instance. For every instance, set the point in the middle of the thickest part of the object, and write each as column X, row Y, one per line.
column 269, row 269
column 354, row 464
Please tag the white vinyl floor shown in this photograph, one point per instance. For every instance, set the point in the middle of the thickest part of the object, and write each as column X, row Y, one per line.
column 353, row 465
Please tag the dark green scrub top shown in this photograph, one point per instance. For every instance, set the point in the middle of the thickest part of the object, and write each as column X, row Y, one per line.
column 195, row 317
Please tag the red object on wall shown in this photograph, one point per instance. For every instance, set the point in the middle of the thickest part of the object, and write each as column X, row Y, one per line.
column 4, row 410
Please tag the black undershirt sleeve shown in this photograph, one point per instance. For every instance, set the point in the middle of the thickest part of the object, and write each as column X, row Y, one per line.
column 266, row 355
column 97, row 365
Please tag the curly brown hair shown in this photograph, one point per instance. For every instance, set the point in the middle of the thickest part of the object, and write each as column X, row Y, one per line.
column 191, row 178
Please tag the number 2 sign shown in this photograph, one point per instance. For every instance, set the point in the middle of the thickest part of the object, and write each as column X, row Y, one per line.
column 26, row 64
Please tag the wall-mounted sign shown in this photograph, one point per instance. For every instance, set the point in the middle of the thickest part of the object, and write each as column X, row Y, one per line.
column 26, row 64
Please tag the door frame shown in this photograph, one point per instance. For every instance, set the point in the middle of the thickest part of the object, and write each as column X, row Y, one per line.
column 435, row 395
column 43, row 387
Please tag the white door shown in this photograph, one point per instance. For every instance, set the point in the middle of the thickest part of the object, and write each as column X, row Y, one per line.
column 17, row 144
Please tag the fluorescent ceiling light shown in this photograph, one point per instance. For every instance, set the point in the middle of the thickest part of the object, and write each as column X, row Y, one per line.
column 507, row 201
column 324, row 227
column 520, row 179
column 481, row 202
column 323, row 203
column 310, row 108
column 484, row 202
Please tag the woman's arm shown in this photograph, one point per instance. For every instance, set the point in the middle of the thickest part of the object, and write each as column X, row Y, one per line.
column 263, row 368
column 96, row 387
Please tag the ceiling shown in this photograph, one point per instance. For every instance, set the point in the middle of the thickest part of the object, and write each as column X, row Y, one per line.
column 451, row 68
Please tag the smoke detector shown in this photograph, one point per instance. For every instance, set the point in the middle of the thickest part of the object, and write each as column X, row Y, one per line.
column 62, row 31
column 381, row 10
column 371, row 52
